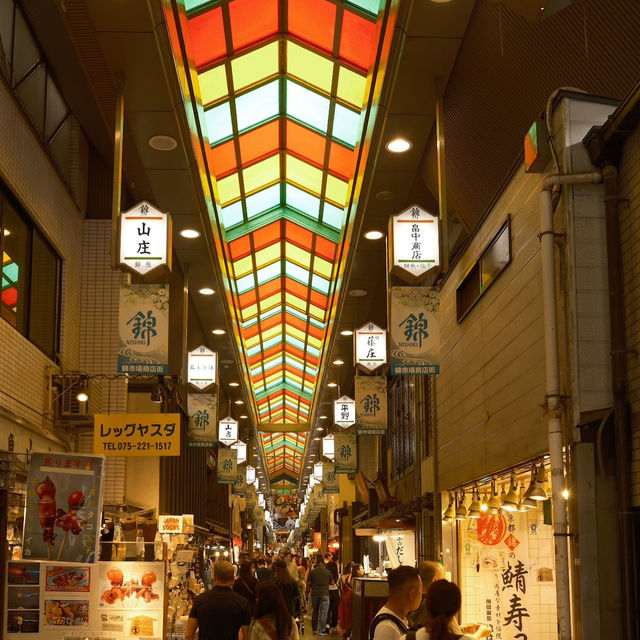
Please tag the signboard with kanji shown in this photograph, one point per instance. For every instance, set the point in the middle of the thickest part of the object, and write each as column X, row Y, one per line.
column 330, row 480
column 227, row 430
column 203, row 411
column 414, row 246
column 370, row 346
column 143, row 329
column 371, row 405
column 346, row 460
column 145, row 239
column 227, row 465
column 137, row 434
column 344, row 412
column 202, row 367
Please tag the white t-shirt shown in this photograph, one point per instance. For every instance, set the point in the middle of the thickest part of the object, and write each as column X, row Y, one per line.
column 388, row 629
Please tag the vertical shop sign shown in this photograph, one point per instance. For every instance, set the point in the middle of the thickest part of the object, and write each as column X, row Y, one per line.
column 330, row 480
column 227, row 430
column 203, row 412
column 202, row 367
column 414, row 331
column 227, row 465
column 370, row 346
column 63, row 507
column 414, row 247
column 145, row 239
column 346, row 457
column 344, row 412
column 143, row 329
column 371, row 405
column 239, row 485
column 401, row 548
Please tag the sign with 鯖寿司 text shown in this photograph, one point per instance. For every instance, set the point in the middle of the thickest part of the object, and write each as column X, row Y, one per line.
column 137, row 434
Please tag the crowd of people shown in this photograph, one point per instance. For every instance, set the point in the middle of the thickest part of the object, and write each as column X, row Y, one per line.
column 267, row 598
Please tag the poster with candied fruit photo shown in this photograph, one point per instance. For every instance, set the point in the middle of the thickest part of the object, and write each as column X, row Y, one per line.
column 69, row 579
column 130, row 585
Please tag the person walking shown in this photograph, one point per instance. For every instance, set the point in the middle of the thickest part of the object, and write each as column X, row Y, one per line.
column 219, row 614
column 245, row 583
column 334, row 592
column 272, row 619
column 318, row 584
column 345, row 612
column 263, row 573
column 287, row 586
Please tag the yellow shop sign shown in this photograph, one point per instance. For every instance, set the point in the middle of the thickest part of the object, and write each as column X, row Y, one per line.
column 137, row 434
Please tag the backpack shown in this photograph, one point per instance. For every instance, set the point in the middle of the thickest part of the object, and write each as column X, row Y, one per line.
column 385, row 616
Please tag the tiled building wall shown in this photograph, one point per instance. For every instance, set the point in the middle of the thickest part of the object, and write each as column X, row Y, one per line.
column 629, row 184
column 27, row 171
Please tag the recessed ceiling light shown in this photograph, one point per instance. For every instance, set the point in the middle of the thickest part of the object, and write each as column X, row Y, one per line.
column 6, row 232
column 338, row 362
column 346, row 332
column 238, row 402
column 385, row 195
column 226, row 361
column 162, row 143
column 316, row 438
column 218, row 332
column 323, row 417
column 398, row 145
column 244, row 417
column 206, row 291
column 358, row 293
column 374, row 235
column 320, row 429
column 190, row 233
column 234, row 384
column 332, row 384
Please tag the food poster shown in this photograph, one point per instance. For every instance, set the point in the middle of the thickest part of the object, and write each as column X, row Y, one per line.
column 69, row 579
column 135, row 586
column 61, row 612
column 506, row 575
column 62, row 515
column 23, row 598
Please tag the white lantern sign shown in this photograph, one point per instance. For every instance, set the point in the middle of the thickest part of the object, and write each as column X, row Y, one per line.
column 241, row 448
column 328, row 449
column 145, row 239
column 415, row 243
column 371, row 346
column 344, row 412
column 202, row 367
column 227, row 431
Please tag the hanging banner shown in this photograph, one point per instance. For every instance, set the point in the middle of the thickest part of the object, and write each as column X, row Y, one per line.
column 371, row 405
column 63, row 507
column 227, row 430
column 344, row 412
column 401, row 548
column 241, row 449
column 239, row 485
column 414, row 244
column 252, row 498
column 414, row 331
column 203, row 411
column 202, row 367
column 143, row 329
column 346, row 460
column 136, row 434
column 145, row 239
column 227, row 465
column 330, row 480
column 370, row 346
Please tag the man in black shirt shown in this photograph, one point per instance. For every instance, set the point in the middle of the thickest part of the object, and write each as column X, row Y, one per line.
column 221, row 613
column 318, row 583
column 334, row 591
column 264, row 573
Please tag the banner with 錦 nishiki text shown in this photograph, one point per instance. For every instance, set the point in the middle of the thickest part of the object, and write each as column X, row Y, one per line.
column 203, row 419
column 346, row 455
column 227, row 465
column 371, row 405
column 143, row 329
column 414, row 333
column 330, row 480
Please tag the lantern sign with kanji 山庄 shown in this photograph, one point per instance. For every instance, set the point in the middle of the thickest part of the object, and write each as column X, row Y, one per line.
column 227, row 431
column 414, row 247
column 145, row 239
column 202, row 367
column 371, row 346
column 344, row 412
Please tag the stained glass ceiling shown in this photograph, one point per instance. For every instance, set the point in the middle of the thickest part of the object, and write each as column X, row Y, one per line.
column 284, row 89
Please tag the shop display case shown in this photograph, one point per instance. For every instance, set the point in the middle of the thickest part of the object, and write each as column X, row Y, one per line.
column 369, row 594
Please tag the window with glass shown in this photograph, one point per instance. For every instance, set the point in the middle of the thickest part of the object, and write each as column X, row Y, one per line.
column 401, row 424
column 29, row 298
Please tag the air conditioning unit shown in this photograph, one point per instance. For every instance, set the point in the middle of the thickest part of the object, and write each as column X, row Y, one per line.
column 70, row 409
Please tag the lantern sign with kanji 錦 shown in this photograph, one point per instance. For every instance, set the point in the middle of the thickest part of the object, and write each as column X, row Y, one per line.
column 371, row 346
column 371, row 405
column 330, row 481
column 344, row 412
column 227, row 431
column 227, row 466
column 346, row 460
column 414, row 247
column 202, row 367
column 145, row 239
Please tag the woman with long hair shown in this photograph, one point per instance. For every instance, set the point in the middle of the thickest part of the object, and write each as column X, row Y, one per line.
column 303, row 574
column 345, row 610
column 271, row 620
column 246, row 582
column 287, row 585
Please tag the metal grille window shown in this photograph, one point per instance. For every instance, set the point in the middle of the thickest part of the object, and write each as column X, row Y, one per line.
column 424, row 413
column 402, row 420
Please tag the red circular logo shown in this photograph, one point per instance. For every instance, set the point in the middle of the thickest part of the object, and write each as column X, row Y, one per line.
column 491, row 529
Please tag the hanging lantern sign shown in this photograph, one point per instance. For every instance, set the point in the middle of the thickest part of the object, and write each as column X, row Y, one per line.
column 328, row 446
column 227, row 466
column 317, row 471
column 241, row 448
column 330, row 481
column 346, row 453
column 370, row 346
column 344, row 412
column 202, row 367
column 250, row 474
column 414, row 247
column 145, row 239
column 371, row 405
column 227, row 431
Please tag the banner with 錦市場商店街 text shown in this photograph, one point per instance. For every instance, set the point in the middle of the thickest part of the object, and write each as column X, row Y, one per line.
column 346, row 454
column 227, row 465
column 203, row 419
column 63, row 507
column 143, row 329
column 414, row 332
column 330, row 480
column 136, row 434
column 371, row 405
